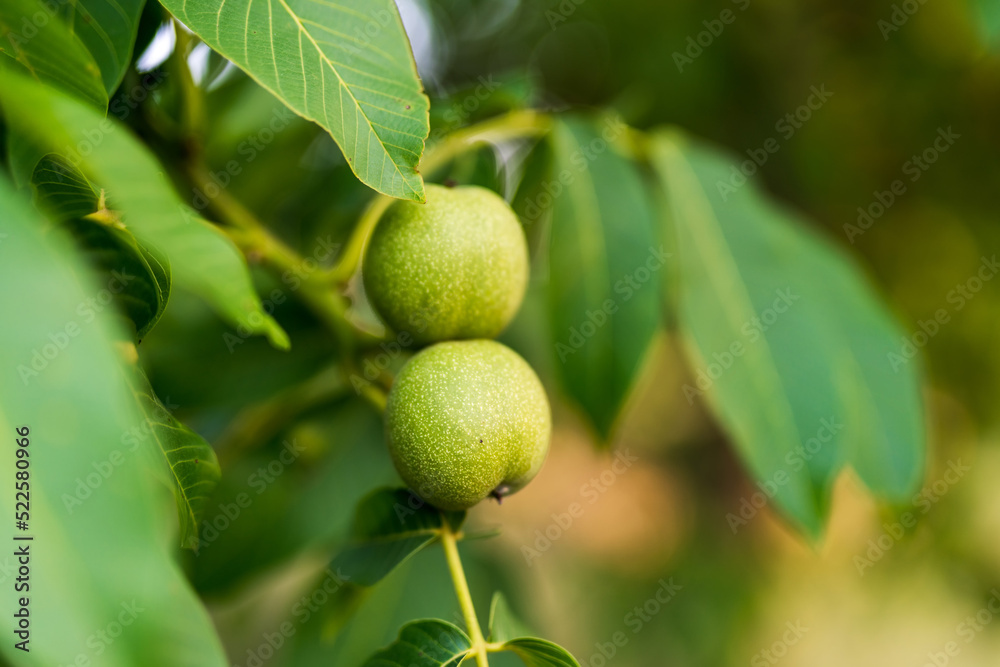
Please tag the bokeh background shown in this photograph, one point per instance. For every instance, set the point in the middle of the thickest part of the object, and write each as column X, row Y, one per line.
column 653, row 557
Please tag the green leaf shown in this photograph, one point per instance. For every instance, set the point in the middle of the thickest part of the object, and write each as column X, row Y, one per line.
column 603, row 296
column 507, row 630
column 339, row 457
column 142, row 284
column 92, row 41
column 101, row 548
column 390, row 525
column 344, row 64
column 788, row 341
column 107, row 28
column 536, row 652
column 504, row 626
column 212, row 267
column 62, row 190
column 194, row 468
column 426, row 643
column 536, row 173
column 49, row 51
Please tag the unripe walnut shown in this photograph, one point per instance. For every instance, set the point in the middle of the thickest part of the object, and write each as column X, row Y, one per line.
column 455, row 267
column 466, row 420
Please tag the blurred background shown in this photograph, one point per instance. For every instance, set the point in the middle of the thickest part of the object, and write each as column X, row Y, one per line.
column 653, row 570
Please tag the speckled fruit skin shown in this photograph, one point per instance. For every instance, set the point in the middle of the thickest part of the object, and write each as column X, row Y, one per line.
column 454, row 267
column 465, row 419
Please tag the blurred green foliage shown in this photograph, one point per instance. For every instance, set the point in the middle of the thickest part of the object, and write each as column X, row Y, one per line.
column 889, row 98
column 665, row 521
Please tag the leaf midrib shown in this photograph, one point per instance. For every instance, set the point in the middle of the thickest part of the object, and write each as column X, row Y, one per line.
column 155, row 435
column 722, row 260
column 329, row 63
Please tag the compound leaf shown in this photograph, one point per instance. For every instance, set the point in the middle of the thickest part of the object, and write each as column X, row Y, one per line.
column 797, row 357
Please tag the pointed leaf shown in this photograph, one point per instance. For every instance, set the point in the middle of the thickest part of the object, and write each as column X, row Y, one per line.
column 107, row 28
column 603, row 289
column 108, row 555
column 142, row 284
column 504, row 626
column 194, row 468
column 211, row 267
column 345, row 64
column 141, row 278
column 788, row 341
column 535, row 652
column 62, row 190
column 390, row 525
column 49, row 51
column 426, row 643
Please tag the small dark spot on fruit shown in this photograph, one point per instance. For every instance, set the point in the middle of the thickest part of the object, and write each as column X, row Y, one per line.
column 450, row 183
column 407, row 106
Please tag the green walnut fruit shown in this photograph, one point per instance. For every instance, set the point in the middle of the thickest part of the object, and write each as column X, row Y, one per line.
column 466, row 420
column 454, row 267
